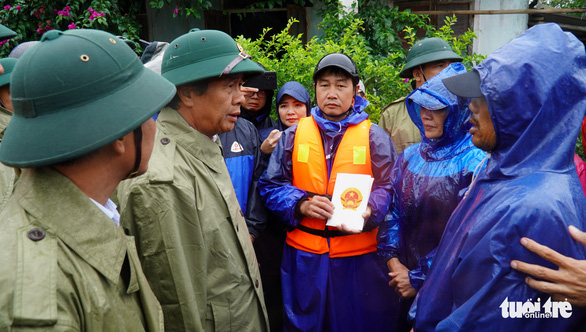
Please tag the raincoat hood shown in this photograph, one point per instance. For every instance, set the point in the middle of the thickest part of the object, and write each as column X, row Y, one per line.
column 297, row 91
column 537, row 101
column 332, row 128
column 433, row 95
column 259, row 116
column 535, row 90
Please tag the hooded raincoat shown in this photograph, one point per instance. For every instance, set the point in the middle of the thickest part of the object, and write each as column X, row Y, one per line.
column 322, row 293
column 535, row 88
column 427, row 179
column 261, row 119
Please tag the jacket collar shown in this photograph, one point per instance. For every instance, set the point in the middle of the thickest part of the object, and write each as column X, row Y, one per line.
column 5, row 116
column 61, row 208
column 172, row 125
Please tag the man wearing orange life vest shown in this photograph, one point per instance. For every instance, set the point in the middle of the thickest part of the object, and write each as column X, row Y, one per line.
column 331, row 279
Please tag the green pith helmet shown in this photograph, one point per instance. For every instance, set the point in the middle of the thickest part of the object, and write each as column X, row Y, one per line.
column 74, row 92
column 425, row 51
column 6, row 33
column 8, row 64
column 203, row 54
column 339, row 60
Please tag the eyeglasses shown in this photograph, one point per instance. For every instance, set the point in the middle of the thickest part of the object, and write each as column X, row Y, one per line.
column 259, row 93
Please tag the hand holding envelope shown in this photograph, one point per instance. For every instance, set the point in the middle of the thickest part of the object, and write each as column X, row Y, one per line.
column 350, row 199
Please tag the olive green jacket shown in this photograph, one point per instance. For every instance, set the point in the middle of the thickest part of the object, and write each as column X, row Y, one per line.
column 65, row 264
column 191, row 236
column 396, row 122
column 7, row 174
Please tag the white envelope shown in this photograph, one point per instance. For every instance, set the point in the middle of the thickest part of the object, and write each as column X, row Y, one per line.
column 350, row 198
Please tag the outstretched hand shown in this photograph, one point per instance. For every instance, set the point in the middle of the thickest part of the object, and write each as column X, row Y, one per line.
column 568, row 282
column 270, row 142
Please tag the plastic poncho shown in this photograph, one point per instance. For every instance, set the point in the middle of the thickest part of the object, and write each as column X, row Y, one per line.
column 535, row 87
column 295, row 90
column 427, row 178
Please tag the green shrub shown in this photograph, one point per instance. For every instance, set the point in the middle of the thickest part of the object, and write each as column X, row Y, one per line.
column 294, row 61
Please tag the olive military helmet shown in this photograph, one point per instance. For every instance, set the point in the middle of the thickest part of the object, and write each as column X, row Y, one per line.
column 8, row 64
column 203, row 54
column 74, row 92
column 425, row 51
column 339, row 60
column 6, row 33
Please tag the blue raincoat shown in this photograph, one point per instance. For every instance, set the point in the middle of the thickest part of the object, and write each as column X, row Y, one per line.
column 295, row 90
column 338, row 294
column 241, row 149
column 427, row 179
column 535, row 88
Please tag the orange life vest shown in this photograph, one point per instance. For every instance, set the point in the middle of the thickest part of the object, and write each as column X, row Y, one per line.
column 310, row 174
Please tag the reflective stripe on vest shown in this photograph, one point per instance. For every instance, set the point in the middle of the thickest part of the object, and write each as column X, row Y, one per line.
column 310, row 174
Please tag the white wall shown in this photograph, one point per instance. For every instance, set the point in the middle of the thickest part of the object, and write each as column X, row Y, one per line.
column 493, row 31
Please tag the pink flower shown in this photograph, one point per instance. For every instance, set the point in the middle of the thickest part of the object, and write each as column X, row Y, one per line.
column 54, row 12
column 47, row 28
column 4, row 41
column 176, row 11
column 406, row 80
column 7, row 7
column 40, row 31
column 18, row 8
column 71, row 26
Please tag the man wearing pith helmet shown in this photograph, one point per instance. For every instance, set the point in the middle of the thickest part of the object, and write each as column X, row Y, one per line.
column 191, row 234
column 425, row 59
column 331, row 277
column 82, row 123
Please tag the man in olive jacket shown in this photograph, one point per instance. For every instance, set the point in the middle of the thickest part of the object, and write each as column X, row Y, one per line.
column 190, row 232
column 82, row 123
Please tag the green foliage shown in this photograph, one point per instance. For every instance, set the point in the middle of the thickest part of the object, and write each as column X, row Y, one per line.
column 32, row 18
column 184, row 8
column 382, row 25
column 294, row 61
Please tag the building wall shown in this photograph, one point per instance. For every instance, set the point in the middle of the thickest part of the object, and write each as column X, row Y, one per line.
column 494, row 31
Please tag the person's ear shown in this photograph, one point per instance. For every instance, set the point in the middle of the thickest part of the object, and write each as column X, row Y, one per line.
column 119, row 146
column 185, row 95
column 418, row 75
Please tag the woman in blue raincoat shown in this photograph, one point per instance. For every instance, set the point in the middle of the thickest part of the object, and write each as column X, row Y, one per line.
column 426, row 180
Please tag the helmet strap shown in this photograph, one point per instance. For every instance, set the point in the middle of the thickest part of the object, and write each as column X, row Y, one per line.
column 138, row 157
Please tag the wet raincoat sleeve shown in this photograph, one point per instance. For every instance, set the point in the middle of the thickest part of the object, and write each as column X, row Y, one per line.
column 388, row 232
column 383, row 156
column 276, row 190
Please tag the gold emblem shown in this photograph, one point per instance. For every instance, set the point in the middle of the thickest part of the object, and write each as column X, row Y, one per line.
column 351, row 199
